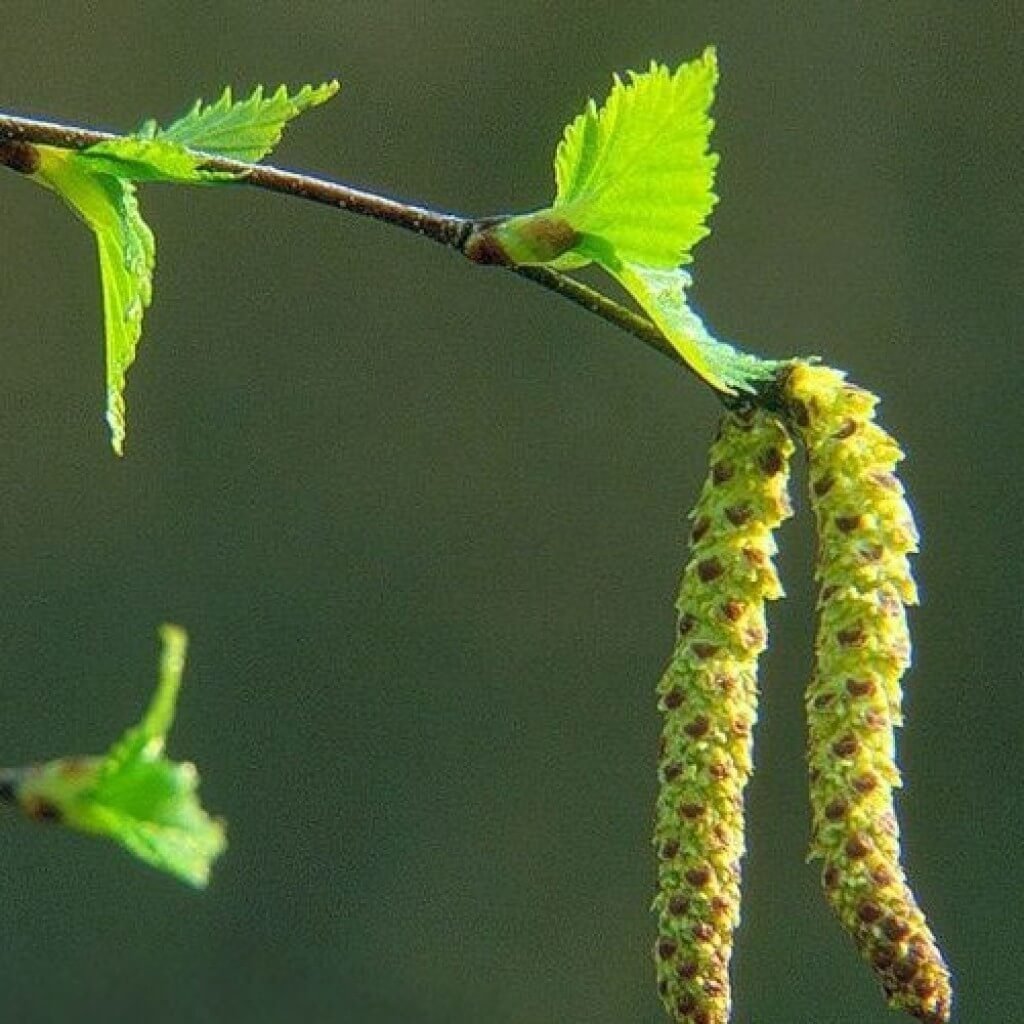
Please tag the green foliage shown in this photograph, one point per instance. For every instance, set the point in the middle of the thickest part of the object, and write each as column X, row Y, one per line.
column 633, row 178
column 133, row 794
column 634, row 182
column 136, row 159
column 661, row 294
column 97, row 183
column 636, row 175
column 244, row 130
column 109, row 206
column 634, row 185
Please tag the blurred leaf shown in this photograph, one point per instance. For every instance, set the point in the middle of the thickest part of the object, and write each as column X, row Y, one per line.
column 134, row 794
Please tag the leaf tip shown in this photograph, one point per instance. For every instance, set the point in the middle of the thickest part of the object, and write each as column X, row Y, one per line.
column 173, row 635
column 115, row 421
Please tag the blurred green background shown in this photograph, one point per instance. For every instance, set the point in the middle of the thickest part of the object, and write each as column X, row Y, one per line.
column 425, row 521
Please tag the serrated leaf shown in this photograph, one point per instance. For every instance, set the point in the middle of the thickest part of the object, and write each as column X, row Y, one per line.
column 662, row 295
column 134, row 794
column 139, row 159
column 634, row 187
column 636, row 175
column 127, row 255
column 244, row 130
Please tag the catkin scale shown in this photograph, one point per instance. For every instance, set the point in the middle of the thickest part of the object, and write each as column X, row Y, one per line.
column 708, row 697
column 865, row 534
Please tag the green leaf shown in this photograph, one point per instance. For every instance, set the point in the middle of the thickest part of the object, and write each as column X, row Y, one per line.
column 661, row 294
column 244, row 130
column 152, row 731
column 636, row 176
column 633, row 178
column 97, row 183
column 140, row 159
column 134, row 794
column 633, row 190
column 127, row 254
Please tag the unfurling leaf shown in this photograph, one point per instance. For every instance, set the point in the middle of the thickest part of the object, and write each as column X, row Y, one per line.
column 127, row 254
column 633, row 178
column 133, row 794
column 97, row 183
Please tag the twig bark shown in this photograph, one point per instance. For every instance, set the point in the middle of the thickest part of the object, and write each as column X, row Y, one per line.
column 448, row 229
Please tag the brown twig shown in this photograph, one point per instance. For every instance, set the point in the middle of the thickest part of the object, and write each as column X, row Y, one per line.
column 19, row 134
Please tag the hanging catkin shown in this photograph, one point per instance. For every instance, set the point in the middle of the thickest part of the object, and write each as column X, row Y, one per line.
column 865, row 534
column 708, row 695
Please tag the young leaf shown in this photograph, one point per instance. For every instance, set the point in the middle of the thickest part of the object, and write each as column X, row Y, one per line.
column 633, row 178
column 661, row 294
column 138, row 159
column 133, row 794
column 633, row 190
column 244, row 130
column 127, row 254
column 637, row 174
column 97, row 183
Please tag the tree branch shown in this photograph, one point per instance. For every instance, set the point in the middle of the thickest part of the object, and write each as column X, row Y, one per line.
column 451, row 230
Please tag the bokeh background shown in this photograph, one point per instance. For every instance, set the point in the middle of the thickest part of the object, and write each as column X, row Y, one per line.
column 425, row 521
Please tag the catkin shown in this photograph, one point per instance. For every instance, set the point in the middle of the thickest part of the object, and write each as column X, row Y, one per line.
column 865, row 534
column 708, row 696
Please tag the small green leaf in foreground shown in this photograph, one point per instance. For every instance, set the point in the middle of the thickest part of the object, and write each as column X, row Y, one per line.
column 133, row 794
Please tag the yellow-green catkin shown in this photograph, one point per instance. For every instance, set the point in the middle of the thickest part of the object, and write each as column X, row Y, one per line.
column 865, row 534
column 708, row 696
